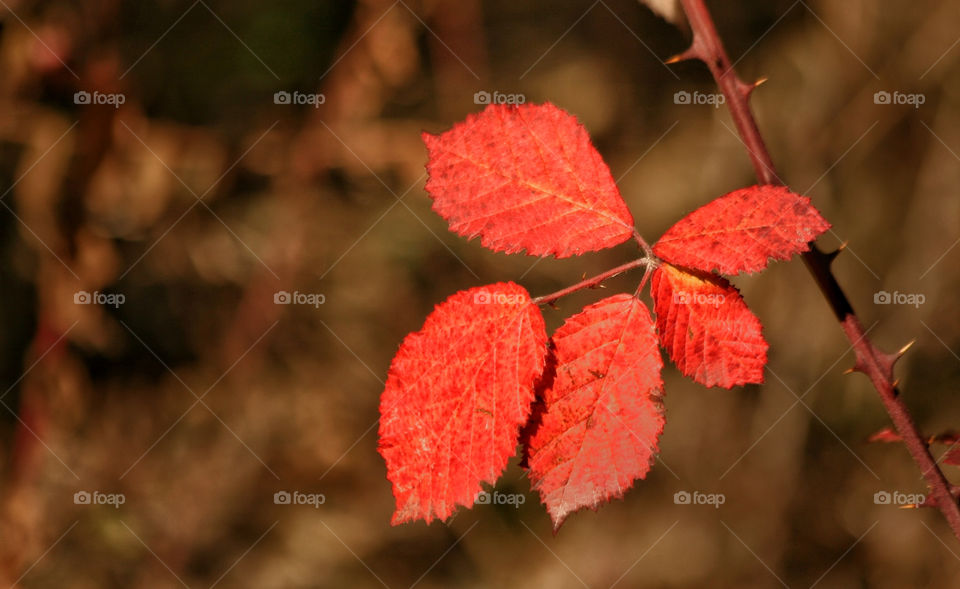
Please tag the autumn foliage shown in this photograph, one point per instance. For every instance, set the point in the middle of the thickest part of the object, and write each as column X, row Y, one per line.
column 603, row 409
column 529, row 179
column 458, row 391
column 461, row 390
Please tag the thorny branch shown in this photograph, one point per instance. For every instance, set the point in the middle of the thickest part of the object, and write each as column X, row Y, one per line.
column 870, row 360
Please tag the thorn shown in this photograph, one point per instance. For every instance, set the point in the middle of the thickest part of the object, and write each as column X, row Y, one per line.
column 850, row 370
column 760, row 82
column 910, row 506
column 904, row 349
column 690, row 53
column 830, row 257
column 747, row 89
column 887, row 360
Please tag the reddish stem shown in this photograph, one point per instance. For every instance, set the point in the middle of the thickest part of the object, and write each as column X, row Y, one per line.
column 591, row 282
column 647, row 250
column 877, row 365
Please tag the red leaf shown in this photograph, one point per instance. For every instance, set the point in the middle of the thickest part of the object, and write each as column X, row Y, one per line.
column 526, row 178
column 931, row 499
column 952, row 456
column 457, row 393
column 947, row 437
column 706, row 328
column 740, row 231
column 885, row 435
column 603, row 413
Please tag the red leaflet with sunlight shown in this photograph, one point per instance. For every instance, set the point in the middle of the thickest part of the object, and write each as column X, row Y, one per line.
column 603, row 415
column 706, row 328
column 457, row 393
column 526, row 177
column 460, row 391
column 742, row 230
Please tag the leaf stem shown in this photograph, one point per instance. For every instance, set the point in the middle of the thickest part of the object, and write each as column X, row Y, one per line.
column 593, row 281
column 877, row 365
column 647, row 250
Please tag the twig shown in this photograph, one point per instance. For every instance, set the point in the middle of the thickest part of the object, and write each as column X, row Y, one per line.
column 877, row 365
column 593, row 281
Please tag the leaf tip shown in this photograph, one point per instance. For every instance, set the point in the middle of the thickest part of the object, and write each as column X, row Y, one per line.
column 427, row 138
column 556, row 522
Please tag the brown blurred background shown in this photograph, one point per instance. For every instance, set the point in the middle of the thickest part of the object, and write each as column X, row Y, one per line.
column 193, row 398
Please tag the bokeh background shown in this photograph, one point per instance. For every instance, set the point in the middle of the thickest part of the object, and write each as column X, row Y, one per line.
column 194, row 398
